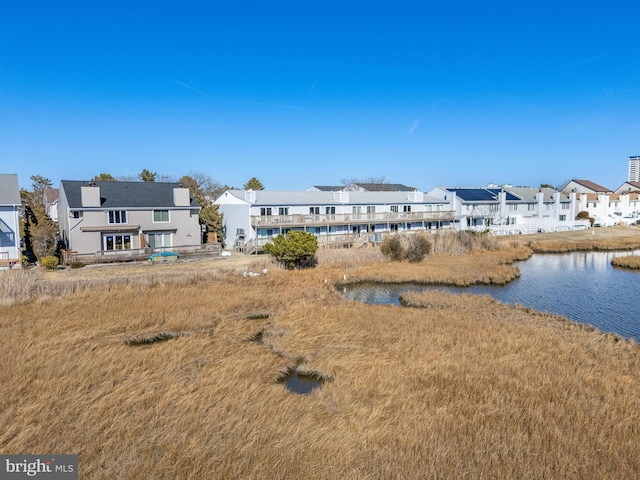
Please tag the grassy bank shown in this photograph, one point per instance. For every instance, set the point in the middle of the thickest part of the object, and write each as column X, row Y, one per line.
column 594, row 239
column 631, row 262
column 177, row 378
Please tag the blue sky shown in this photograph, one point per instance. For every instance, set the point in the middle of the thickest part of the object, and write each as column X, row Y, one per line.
column 309, row 93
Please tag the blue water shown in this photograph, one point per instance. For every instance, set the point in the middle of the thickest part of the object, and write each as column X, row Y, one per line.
column 583, row 287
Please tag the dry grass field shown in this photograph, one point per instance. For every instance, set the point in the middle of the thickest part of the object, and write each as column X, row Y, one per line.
column 171, row 373
column 602, row 239
column 632, row 262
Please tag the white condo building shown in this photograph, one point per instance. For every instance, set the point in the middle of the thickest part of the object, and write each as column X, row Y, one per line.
column 252, row 218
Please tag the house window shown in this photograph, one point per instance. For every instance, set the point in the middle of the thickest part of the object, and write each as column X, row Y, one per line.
column 314, row 210
column 117, row 216
column 356, row 210
column 394, row 208
column 117, row 242
column 160, row 216
column 265, row 211
column 283, row 211
column 563, row 218
column 406, row 208
column 531, row 206
column 160, row 239
column 266, row 232
column 565, row 205
column 513, row 207
column 7, row 238
column 330, row 210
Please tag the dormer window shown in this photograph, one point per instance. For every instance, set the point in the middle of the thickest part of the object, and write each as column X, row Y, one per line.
column 117, row 216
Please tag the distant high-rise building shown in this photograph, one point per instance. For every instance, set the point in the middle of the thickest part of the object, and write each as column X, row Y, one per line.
column 634, row 169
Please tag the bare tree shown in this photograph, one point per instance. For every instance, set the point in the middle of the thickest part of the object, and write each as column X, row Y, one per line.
column 354, row 180
column 204, row 189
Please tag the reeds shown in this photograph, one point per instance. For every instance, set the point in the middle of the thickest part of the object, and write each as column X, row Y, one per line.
column 594, row 239
column 631, row 262
column 449, row 387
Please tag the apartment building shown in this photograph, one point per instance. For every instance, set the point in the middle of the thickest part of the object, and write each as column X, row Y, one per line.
column 634, row 169
column 511, row 210
column 253, row 218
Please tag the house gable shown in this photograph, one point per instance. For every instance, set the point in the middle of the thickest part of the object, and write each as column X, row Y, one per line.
column 585, row 186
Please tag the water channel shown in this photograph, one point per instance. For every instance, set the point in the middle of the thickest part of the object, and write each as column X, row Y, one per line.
column 583, row 287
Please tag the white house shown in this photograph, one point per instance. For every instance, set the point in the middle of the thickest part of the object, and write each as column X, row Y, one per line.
column 611, row 208
column 253, row 218
column 10, row 204
column 509, row 210
column 585, row 186
column 628, row 187
column 51, row 202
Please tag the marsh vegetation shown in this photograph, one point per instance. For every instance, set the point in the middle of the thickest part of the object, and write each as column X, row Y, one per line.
column 170, row 373
column 632, row 262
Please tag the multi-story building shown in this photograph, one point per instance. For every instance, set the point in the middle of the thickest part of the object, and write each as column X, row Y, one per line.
column 111, row 217
column 603, row 205
column 253, row 218
column 634, row 169
column 609, row 209
column 509, row 210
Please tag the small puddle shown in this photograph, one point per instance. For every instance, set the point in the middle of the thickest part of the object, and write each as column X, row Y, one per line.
column 300, row 384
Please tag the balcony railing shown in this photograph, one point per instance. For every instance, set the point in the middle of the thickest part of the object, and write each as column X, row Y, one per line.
column 265, row 221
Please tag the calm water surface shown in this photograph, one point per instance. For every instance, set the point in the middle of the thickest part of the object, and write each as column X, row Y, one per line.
column 581, row 286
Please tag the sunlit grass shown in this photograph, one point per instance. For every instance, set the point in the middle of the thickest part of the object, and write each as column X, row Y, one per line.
column 631, row 261
column 176, row 376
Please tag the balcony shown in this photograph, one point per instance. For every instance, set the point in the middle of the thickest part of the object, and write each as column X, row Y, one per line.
column 267, row 221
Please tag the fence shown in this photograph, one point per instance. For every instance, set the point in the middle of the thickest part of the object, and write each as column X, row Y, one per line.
column 138, row 254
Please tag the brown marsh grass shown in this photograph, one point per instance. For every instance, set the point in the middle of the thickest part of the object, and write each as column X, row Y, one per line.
column 632, row 262
column 451, row 387
column 479, row 266
column 594, row 239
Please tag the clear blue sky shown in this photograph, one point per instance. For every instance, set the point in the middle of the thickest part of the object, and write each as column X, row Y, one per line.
column 309, row 93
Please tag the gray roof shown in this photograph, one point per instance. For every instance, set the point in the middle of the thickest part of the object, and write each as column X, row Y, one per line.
column 9, row 189
column 384, row 187
column 288, row 198
column 125, row 194
column 528, row 194
column 329, row 188
column 368, row 187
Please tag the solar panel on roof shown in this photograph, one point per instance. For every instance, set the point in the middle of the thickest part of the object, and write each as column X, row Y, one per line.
column 475, row 194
